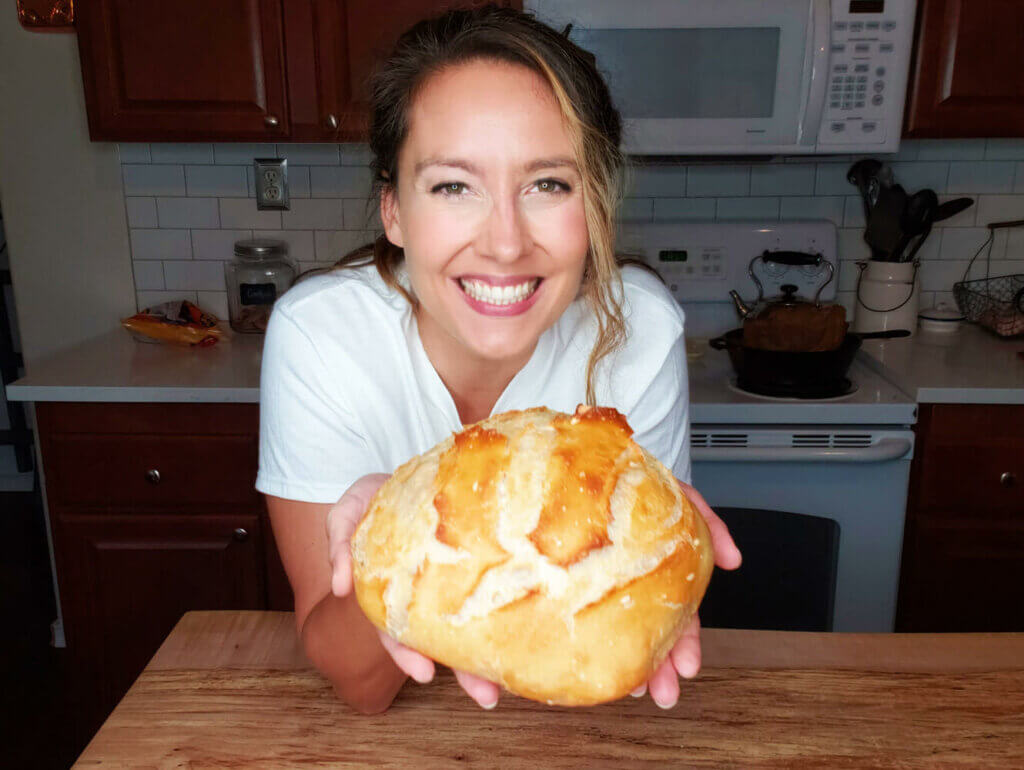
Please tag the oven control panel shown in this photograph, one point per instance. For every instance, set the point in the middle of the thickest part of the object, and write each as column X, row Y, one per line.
column 703, row 261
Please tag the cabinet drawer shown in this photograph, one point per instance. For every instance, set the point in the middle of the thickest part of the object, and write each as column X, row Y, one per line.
column 121, row 471
column 980, row 479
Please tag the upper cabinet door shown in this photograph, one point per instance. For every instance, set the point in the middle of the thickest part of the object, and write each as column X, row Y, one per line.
column 183, row 70
column 967, row 78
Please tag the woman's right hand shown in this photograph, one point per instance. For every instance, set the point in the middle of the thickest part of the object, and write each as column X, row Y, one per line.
column 342, row 520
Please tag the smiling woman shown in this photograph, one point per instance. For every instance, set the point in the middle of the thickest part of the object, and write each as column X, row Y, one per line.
column 494, row 287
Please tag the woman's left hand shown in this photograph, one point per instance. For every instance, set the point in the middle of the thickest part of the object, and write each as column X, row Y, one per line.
column 684, row 658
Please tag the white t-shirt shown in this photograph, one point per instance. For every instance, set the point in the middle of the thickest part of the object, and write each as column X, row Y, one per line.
column 347, row 389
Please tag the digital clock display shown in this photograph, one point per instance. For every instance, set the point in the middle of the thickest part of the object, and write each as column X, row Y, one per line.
column 867, row 6
column 672, row 255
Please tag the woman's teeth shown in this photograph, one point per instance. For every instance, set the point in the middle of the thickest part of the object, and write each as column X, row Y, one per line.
column 498, row 295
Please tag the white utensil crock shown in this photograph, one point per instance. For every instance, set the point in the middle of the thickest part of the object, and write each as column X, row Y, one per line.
column 887, row 297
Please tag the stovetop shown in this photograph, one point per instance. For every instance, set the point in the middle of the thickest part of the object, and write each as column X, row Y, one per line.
column 714, row 398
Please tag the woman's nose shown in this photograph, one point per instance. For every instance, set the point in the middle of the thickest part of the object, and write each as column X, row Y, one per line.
column 505, row 235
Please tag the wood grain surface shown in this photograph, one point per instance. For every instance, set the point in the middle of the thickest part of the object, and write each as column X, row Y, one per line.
column 231, row 689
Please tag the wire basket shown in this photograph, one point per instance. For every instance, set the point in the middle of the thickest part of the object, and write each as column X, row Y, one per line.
column 995, row 303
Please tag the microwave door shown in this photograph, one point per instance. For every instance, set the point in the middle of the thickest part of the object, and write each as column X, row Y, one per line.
column 692, row 77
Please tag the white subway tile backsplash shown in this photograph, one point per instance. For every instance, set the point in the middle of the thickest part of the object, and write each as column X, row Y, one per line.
column 199, row 275
column 980, row 176
column 950, row 149
column 851, row 244
column 999, row 208
column 854, row 214
column 690, row 209
column 355, row 154
column 141, row 212
column 1014, row 243
column 717, row 180
column 298, row 182
column 242, row 154
column 830, row 179
column 918, row 175
column 153, row 180
column 829, row 207
column 149, row 274
column 309, row 154
column 300, row 242
column 747, row 208
column 782, row 179
column 339, row 182
column 656, row 182
column 332, row 245
column 188, row 212
column 313, row 214
column 217, row 244
column 241, row 213
column 963, row 242
column 637, row 209
column 1018, row 186
column 146, row 299
column 215, row 302
column 847, row 278
column 134, row 152
column 940, row 275
column 182, row 153
column 360, row 215
column 160, row 244
column 1004, row 149
column 996, row 268
column 216, row 181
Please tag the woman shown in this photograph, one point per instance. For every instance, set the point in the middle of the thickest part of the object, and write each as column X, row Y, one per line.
column 496, row 288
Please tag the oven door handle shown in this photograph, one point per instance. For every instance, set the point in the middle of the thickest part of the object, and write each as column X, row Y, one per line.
column 886, row 449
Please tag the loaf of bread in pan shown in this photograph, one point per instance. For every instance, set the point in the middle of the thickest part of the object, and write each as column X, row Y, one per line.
column 547, row 552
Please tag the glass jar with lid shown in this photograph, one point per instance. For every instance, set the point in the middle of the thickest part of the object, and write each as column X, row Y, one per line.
column 260, row 273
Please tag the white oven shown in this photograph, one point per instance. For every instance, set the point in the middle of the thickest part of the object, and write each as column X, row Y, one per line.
column 750, row 77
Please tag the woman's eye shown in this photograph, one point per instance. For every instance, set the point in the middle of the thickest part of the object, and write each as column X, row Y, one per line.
column 552, row 186
column 449, row 188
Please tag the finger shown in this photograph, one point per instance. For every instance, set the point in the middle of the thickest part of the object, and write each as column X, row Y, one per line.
column 664, row 685
column 419, row 667
column 342, row 520
column 686, row 655
column 640, row 691
column 727, row 555
column 483, row 692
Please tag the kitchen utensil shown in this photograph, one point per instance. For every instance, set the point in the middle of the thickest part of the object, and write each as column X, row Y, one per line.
column 886, row 297
column 916, row 221
column 814, row 374
column 789, row 322
column 883, row 231
column 860, row 175
column 951, row 208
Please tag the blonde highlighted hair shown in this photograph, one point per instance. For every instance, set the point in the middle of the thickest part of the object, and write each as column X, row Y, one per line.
column 593, row 124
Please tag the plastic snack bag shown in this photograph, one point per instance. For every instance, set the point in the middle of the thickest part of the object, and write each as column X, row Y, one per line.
column 179, row 322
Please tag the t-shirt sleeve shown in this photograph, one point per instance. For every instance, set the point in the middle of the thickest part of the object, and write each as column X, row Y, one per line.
column 660, row 418
column 310, row 445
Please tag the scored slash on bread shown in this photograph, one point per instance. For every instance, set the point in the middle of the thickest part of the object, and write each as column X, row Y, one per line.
column 547, row 552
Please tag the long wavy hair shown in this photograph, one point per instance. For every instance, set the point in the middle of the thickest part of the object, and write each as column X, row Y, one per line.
column 593, row 124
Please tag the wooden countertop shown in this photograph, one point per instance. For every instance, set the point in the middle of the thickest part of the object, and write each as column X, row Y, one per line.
column 233, row 689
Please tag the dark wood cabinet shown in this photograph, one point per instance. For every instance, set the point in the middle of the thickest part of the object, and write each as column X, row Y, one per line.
column 965, row 79
column 153, row 513
column 175, row 70
column 256, row 70
column 963, row 546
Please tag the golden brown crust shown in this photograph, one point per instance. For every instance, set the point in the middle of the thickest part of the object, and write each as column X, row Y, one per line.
column 546, row 552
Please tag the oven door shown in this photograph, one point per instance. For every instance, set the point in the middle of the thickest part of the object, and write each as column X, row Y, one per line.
column 856, row 478
column 699, row 77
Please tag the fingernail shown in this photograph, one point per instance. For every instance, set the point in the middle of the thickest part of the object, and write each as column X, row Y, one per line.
column 424, row 679
column 666, row 706
column 640, row 691
column 489, row 706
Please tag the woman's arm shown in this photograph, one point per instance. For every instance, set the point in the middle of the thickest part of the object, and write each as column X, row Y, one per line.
column 335, row 634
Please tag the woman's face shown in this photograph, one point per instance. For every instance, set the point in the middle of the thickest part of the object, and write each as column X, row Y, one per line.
column 489, row 210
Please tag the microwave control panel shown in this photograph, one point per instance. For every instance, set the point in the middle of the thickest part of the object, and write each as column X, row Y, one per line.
column 869, row 59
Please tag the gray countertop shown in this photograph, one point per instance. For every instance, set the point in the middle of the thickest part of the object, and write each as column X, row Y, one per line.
column 969, row 366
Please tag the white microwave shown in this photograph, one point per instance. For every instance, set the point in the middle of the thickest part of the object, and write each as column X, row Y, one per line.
column 748, row 77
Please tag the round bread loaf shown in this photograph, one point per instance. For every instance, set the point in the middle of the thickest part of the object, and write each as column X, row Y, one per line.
column 547, row 552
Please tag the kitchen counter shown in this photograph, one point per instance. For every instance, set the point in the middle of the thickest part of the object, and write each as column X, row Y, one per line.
column 970, row 366
column 232, row 689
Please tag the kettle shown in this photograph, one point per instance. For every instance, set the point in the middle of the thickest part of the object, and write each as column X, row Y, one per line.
column 788, row 322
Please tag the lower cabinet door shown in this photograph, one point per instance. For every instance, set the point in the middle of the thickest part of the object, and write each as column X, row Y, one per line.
column 126, row 581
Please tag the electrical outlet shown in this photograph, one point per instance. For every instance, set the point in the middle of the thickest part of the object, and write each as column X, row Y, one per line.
column 271, row 183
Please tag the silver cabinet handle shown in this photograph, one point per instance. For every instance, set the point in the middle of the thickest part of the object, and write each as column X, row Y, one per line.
column 1008, row 479
column 271, row 121
column 153, row 476
column 332, row 122
column 240, row 534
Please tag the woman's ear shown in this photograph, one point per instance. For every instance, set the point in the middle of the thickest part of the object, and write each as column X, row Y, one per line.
column 389, row 216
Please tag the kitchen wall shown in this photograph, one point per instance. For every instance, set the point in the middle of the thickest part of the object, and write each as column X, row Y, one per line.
column 186, row 205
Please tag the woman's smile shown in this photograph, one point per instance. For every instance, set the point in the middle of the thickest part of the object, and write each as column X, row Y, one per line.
column 499, row 295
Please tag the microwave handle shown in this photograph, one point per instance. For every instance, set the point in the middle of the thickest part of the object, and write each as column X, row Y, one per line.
column 816, row 59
